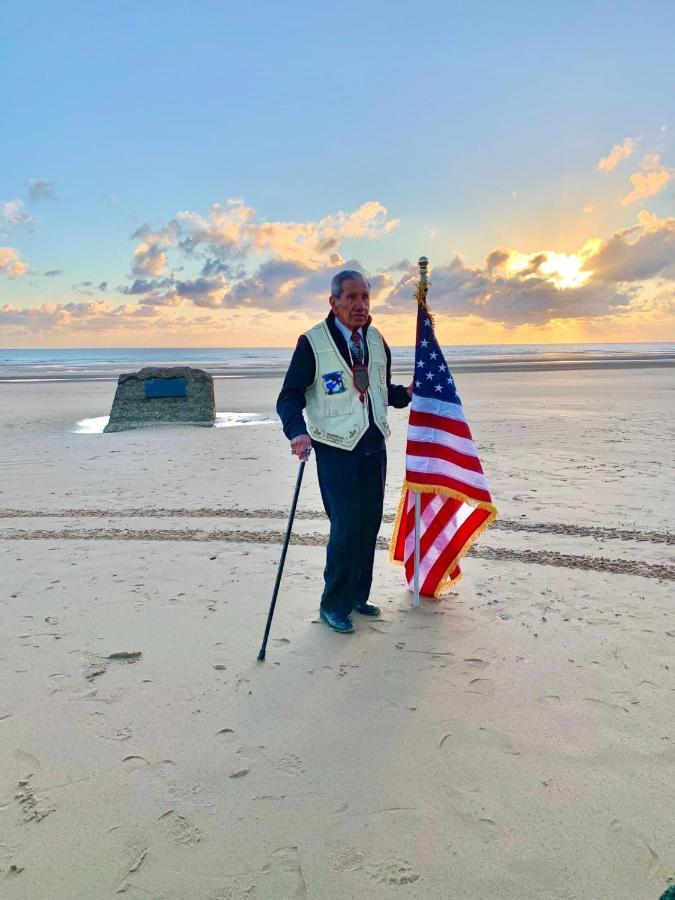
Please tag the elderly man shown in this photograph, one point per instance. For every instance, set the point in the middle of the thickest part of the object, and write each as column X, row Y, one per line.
column 341, row 374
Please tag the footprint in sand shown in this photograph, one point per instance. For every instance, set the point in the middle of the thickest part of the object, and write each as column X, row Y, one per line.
column 34, row 807
column 181, row 829
column 60, row 683
column 290, row 764
column 486, row 737
column 6, row 856
column 476, row 663
column 633, row 849
column 393, row 872
column 135, row 763
column 382, row 626
column 285, row 871
column 346, row 859
column 490, row 737
column 122, row 733
column 23, row 756
column 549, row 700
column 485, row 687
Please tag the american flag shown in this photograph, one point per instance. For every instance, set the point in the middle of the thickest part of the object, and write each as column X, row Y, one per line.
column 442, row 464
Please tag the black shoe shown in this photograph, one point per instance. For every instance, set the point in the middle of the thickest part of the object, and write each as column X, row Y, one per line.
column 343, row 624
column 368, row 609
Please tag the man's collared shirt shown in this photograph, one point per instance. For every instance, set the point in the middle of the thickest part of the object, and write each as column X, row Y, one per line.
column 302, row 372
column 347, row 334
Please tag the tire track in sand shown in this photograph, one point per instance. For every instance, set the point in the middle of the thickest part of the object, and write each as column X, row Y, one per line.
column 215, row 512
column 537, row 557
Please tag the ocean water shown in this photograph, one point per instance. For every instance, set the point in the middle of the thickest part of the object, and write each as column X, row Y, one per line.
column 108, row 364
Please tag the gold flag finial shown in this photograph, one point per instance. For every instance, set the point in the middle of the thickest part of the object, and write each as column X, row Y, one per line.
column 423, row 284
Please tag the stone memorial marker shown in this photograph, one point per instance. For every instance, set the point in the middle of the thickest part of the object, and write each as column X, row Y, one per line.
column 163, row 396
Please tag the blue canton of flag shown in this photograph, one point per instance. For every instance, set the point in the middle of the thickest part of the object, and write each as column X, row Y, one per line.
column 432, row 376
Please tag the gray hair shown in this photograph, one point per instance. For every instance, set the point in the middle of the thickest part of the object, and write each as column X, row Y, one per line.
column 346, row 275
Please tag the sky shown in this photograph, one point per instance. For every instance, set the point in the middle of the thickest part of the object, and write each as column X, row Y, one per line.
column 183, row 174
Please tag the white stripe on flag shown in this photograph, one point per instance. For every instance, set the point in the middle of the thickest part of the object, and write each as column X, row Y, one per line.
column 437, row 407
column 435, row 436
column 431, row 466
column 427, row 516
column 442, row 540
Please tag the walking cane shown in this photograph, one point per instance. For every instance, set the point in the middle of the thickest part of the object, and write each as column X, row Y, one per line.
column 261, row 654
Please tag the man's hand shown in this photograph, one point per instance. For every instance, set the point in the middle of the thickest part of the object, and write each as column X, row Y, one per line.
column 300, row 445
column 409, row 389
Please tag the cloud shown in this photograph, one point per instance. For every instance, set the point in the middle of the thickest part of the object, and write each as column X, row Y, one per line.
column 52, row 273
column 141, row 286
column 98, row 321
column 616, row 154
column 231, row 233
column 528, row 296
column 150, row 256
column 511, row 288
column 217, row 267
column 275, row 285
column 279, row 284
column 94, row 315
column 39, row 189
column 10, row 264
column 14, row 213
column 620, row 279
column 88, row 287
column 652, row 178
column 638, row 253
column 402, row 266
column 244, row 262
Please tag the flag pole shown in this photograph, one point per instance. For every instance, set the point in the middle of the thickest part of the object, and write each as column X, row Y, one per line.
column 416, row 578
column 423, row 263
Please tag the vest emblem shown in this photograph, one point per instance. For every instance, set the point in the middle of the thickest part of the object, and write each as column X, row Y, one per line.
column 333, row 383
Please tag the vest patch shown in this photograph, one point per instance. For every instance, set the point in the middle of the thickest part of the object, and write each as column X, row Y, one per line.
column 333, row 383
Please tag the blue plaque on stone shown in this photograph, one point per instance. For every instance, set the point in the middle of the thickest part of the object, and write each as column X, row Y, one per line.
column 165, row 387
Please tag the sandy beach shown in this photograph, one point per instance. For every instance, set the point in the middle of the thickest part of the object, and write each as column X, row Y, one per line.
column 515, row 740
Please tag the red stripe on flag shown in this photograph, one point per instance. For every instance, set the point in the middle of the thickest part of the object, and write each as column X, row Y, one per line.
column 429, row 420
column 441, row 519
column 440, row 451
column 428, row 534
column 453, row 484
column 459, row 539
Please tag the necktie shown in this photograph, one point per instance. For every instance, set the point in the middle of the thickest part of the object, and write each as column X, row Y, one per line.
column 359, row 370
column 356, row 347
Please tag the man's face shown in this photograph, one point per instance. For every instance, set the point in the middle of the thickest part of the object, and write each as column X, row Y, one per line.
column 352, row 307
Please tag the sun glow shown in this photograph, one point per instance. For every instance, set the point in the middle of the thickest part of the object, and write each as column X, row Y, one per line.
column 561, row 269
column 565, row 271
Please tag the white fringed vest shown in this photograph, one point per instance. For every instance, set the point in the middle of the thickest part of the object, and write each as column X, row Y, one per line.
column 335, row 413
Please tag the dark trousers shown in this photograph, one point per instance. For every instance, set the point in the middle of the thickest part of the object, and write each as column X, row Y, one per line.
column 352, row 490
